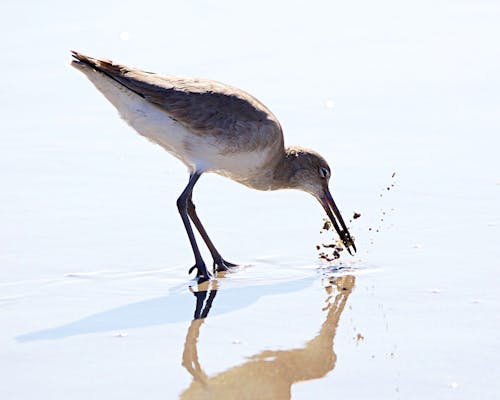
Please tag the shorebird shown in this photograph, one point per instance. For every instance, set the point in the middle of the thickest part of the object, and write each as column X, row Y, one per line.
column 212, row 127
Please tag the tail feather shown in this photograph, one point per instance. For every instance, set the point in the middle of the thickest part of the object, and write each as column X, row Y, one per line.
column 107, row 67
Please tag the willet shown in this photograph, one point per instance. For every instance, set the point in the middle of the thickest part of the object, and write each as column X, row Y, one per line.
column 212, row 127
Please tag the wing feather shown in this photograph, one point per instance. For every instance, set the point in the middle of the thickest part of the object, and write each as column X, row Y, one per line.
column 203, row 106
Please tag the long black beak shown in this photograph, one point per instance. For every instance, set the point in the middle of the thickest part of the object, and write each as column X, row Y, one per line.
column 334, row 214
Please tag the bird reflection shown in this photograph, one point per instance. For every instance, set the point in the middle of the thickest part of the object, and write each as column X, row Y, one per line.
column 271, row 373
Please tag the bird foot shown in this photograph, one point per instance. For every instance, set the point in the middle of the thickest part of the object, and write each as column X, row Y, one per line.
column 221, row 265
column 202, row 273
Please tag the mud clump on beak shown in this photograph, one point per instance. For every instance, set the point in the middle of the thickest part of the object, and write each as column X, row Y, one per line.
column 330, row 251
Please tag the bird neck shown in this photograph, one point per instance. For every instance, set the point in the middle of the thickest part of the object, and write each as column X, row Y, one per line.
column 277, row 174
column 285, row 169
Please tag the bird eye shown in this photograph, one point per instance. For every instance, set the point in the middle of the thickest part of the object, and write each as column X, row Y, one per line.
column 323, row 172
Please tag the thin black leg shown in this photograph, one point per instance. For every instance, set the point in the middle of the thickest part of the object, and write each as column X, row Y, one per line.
column 182, row 205
column 219, row 263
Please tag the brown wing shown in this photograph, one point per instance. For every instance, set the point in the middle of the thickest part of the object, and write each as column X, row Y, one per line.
column 203, row 106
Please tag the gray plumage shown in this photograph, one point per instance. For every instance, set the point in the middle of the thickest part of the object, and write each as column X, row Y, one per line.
column 212, row 127
column 203, row 106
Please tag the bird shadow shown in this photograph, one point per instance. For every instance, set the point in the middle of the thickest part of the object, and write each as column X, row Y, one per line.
column 175, row 306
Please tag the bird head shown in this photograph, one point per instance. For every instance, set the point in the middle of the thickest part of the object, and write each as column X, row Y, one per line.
column 308, row 171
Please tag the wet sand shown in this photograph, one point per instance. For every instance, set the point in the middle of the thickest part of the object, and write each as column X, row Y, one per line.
column 95, row 301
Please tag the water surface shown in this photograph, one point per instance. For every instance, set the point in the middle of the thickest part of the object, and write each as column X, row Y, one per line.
column 94, row 295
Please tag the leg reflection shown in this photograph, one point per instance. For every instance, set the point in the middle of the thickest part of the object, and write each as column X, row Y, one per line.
column 205, row 294
column 202, row 306
column 269, row 374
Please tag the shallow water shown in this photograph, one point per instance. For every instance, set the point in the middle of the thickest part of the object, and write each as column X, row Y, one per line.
column 94, row 295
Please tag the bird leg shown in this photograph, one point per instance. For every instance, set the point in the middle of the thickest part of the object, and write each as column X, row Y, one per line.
column 182, row 205
column 219, row 263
